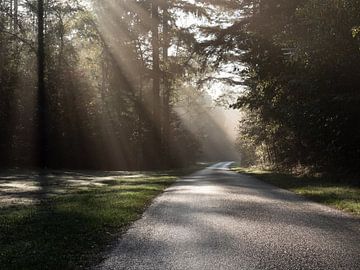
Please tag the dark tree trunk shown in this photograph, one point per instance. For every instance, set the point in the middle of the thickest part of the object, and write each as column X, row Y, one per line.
column 16, row 10
column 156, row 61
column 156, row 109
column 166, row 94
column 42, row 131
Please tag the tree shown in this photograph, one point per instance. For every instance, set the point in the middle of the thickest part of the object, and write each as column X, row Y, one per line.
column 103, row 78
column 42, row 103
column 301, row 62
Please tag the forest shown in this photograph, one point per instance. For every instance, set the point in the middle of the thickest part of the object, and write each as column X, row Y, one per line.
column 105, row 84
column 179, row 134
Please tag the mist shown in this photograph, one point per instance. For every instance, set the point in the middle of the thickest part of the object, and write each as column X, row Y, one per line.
column 215, row 126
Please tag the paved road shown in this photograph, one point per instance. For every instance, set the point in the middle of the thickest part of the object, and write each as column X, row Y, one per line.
column 217, row 219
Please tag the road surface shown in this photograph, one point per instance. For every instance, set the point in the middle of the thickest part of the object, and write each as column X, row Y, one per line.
column 218, row 219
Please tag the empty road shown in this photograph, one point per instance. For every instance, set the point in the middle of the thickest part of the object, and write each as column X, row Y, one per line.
column 218, row 219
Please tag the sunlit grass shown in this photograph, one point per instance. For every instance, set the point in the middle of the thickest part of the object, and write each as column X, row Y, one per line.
column 335, row 192
column 71, row 231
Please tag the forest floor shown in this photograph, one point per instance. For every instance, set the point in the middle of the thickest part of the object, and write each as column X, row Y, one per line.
column 343, row 194
column 67, row 219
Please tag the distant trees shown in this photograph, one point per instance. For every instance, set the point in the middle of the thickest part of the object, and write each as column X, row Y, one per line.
column 147, row 30
column 91, row 86
column 95, row 84
column 302, row 68
column 17, row 53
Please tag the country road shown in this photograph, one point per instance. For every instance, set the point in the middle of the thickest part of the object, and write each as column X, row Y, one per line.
column 218, row 219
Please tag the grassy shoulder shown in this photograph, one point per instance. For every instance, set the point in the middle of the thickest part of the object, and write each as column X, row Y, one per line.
column 335, row 192
column 71, row 230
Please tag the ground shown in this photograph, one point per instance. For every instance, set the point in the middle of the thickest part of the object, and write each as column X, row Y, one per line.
column 212, row 219
column 341, row 192
column 219, row 219
column 67, row 219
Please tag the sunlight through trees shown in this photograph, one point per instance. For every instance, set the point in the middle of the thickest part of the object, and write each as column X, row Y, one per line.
column 105, row 84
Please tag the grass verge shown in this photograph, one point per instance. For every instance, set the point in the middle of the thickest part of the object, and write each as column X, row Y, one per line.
column 71, row 230
column 339, row 193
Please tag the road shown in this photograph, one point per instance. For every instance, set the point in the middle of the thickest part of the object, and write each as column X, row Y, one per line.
column 218, row 219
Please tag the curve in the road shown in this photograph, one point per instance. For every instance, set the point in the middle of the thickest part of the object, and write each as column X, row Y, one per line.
column 217, row 219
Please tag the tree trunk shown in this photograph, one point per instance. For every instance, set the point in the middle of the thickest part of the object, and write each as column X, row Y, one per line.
column 11, row 21
column 166, row 93
column 16, row 10
column 156, row 121
column 42, row 132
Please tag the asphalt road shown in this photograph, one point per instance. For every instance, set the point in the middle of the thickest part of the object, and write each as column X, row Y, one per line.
column 217, row 219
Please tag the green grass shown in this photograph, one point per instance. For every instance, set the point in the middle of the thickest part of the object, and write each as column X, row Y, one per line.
column 71, row 231
column 339, row 193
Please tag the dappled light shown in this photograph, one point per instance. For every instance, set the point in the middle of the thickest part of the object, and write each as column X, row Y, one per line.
column 107, row 104
column 24, row 189
column 111, row 74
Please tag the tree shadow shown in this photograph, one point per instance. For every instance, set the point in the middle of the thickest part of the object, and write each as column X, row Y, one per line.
column 36, row 187
column 67, row 232
column 245, row 224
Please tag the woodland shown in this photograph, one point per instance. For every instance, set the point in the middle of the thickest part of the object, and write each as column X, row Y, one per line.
column 98, row 84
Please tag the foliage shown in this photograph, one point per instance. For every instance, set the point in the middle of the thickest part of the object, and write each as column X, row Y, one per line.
column 302, row 66
column 99, row 98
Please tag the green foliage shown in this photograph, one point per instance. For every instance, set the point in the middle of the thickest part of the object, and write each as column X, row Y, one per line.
column 98, row 82
column 355, row 31
column 302, row 66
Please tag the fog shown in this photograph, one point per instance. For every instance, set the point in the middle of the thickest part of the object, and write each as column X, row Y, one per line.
column 215, row 125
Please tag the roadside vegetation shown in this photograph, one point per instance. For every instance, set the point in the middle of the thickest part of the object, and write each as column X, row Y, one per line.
column 299, row 63
column 72, row 230
column 343, row 194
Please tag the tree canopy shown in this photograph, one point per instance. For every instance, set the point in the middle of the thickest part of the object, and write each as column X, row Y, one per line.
column 98, row 84
column 301, row 67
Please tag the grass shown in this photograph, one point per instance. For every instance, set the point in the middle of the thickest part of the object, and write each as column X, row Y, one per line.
column 339, row 193
column 71, row 230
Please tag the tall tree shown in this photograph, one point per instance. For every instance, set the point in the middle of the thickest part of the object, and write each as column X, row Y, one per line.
column 156, row 102
column 300, row 63
column 42, row 110
column 129, row 111
column 166, row 81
